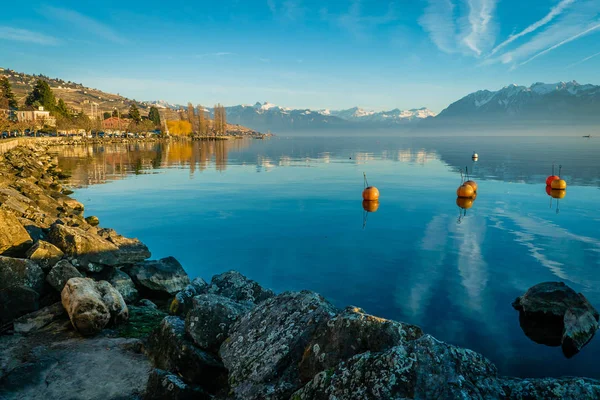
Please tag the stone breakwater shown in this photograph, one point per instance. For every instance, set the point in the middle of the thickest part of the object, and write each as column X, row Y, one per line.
column 85, row 314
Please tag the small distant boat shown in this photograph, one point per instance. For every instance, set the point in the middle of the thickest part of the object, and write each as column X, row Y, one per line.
column 587, row 136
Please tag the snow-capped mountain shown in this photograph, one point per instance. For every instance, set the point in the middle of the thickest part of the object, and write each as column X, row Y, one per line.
column 540, row 101
column 394, row 116
column 162, row 104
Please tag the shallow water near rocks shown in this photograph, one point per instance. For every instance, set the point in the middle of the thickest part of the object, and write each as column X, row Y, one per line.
column 288, row 213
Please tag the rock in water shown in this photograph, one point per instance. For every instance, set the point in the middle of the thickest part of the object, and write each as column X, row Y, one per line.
column 85, row 249
column 45, row 254
column 162, row 385
column 237, row 287
column 552, row 313
column 21, row 282
column 39, row 319
column 265, row 346
column 210, row 318
column 61, row 273
column 422, row 369
column 165, row 276
column 14, row 239
column 349, row 333
column 169, row 349
column 92, row 305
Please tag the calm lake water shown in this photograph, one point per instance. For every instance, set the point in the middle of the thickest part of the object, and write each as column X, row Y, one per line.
column 288, row 213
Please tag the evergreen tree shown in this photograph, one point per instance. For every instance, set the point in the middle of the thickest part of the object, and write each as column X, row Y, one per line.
column 134, row 114
column 115, row 113
column 41, row 95
column 7, row 93
column 154, row 115
column 106, row 115
column 61, row 108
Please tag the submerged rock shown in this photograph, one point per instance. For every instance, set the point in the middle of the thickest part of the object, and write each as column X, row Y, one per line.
column 237, row 287
column 421, row 369
column 14, row 239
column 553, row 314
column 349, row 333
column 163, row 385
column 61, row 273
column 92, row 305
column 169, row 349
column 265, row 346
column 183, row 301
column 37, row 320
column 165, row 276
column 45, row 254
column 210, row 318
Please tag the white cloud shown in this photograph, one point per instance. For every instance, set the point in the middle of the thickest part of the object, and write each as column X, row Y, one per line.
column 438, row 21
column 584, row 60
column 84, row 23
column 24, row 35
column 481, row 28
column 554, row 12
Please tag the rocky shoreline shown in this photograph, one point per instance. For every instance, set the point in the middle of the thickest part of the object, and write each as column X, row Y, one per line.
column 85, row 314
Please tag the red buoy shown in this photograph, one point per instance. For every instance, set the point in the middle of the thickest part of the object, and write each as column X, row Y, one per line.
column 550, row 179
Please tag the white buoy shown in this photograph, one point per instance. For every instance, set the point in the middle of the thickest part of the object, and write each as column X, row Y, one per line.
column 475, row 156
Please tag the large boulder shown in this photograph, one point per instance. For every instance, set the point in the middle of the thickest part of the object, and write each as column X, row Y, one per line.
column 14, row 239
column 162, row 277
column 21, row 283
column 183, row 301
column 210, row 318
column 169, row 349
column 163, row 385
column 350, row 333
column 86, row 250
column 237, row 287
column 131, row 251
column 61, row 273
column 92, row 305
column 45, row 254
column 37, row 320
column 265, row 346
column 421, row 369
column 551, row 388
column 124, row 285
column 553, row 314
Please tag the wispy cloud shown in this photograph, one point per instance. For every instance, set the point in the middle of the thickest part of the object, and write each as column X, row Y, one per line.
column 357, row 22
column 554, row 12
column 584, row 60
column 472, row 33
column 549, row 49
column 84, row 23
column 24, row 35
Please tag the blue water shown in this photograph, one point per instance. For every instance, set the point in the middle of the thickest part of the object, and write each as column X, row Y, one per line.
column 287, row 212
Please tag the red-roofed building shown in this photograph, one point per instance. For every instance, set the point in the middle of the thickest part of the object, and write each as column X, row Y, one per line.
column 115, row 124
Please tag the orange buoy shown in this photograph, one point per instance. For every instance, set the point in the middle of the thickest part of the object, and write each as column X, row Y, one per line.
column 558, row 193
column 550, row 179
column 465, row 191
column 558, row 184
column 370, row 205
column 371, row 193
column 473, row 184
column 464, row 203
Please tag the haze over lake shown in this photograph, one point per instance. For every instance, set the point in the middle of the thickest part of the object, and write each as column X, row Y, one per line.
column 287, row 212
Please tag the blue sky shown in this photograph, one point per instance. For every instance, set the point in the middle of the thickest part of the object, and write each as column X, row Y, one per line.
column 304, row 53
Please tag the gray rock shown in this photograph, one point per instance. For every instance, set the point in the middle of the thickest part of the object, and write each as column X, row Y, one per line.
column 37, row 320
column 61, row 273
column 16, row 301
column 146, row 303
column 162, row 385
column 45, row 254
column 350, row 333
column 165, row 276
column 92, row 305
column 183, row 301
column 422, row 369
column 210, row 318
column 124, row 285
column 169, row 349
column 551, row 388
column 552, row 313
column 86, row 250
column 131, row 251
column 237, row 287
column 14, row 239
column 265, row 346
column 21, row 283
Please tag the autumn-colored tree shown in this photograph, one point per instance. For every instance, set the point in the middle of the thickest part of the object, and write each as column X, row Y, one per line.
column 64, row 124
column 179, row 128
column 191, row 117
column 201, row 121
column 220, row 120
column 5, row 124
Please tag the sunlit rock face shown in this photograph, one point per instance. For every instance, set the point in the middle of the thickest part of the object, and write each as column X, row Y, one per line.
column 553, row 314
